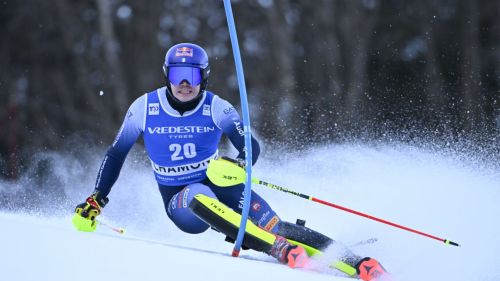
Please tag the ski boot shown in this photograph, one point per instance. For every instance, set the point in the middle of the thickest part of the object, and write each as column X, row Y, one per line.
column 293, row 255
column 369, row 269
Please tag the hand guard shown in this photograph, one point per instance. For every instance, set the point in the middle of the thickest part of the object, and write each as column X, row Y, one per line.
column 85, row 213
column 226, row 172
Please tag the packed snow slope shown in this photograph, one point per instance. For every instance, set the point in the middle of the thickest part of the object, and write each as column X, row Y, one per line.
column 449, row 195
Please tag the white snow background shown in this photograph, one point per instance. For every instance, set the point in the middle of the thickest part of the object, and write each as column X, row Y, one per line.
column 446, row 194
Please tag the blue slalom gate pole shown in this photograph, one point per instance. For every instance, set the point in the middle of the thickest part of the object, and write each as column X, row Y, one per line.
column 246, row 127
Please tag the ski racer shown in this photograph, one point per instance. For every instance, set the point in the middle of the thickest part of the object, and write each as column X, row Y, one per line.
column 181, row 125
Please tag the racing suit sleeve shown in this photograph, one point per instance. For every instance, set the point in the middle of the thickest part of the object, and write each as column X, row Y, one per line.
column 228, row 120
column 131, row 129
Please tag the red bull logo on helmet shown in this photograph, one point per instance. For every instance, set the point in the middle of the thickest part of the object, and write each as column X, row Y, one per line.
column 184, row 52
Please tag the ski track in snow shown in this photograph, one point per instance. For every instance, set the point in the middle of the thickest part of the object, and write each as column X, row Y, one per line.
column 436, row 193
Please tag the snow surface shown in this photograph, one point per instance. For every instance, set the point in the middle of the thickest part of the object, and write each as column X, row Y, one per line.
column 444, row 194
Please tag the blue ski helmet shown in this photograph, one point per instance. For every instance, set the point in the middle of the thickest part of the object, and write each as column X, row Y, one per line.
column 187, row 61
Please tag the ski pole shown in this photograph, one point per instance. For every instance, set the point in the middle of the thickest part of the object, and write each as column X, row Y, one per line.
column 119, row 230
column 225, row 173
column 87, row 225
column 273, row 186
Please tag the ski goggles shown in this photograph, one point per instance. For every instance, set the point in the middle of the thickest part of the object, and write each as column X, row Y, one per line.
column 177, row 74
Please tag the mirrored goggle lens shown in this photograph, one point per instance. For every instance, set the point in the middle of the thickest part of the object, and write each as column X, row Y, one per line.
column 177, row 74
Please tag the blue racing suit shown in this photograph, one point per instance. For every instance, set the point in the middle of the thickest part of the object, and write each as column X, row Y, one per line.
column 179, row 148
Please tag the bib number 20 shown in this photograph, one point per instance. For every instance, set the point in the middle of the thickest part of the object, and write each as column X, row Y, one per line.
column 188, row 150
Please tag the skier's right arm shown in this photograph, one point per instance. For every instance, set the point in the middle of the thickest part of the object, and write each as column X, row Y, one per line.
column 112, row 163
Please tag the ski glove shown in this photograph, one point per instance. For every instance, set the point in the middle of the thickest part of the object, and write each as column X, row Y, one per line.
column 238, row 161
column 85, row 213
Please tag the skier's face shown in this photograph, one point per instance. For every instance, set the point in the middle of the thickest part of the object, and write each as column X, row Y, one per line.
column 185, row 92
